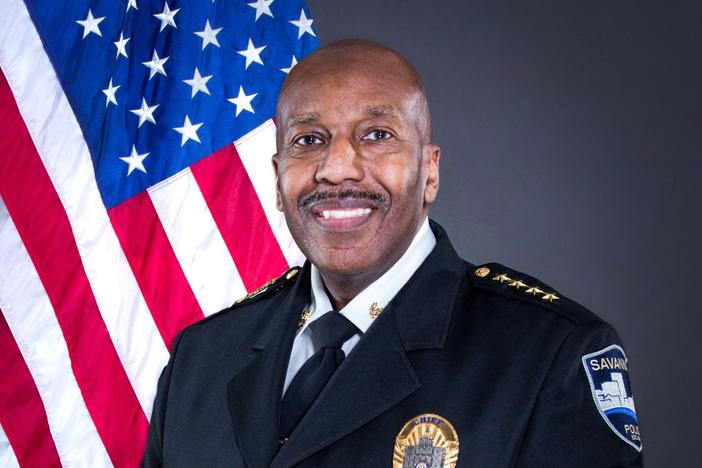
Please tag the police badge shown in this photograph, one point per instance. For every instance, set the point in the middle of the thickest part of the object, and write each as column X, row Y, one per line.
column 426, row 441
column 608, row 374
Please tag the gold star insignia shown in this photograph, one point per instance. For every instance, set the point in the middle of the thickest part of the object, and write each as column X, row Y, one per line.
column 534, row 291
column 502, row 278
column 518, row 284
column 262, row 288
column 550, row 297
column 288, row 276
column 374, row 311
column 256, row 292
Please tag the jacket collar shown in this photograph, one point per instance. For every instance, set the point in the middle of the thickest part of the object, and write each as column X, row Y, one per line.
column 381, row 291
column 425, row 304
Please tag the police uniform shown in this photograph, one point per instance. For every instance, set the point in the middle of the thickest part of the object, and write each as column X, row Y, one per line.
column 467, row 366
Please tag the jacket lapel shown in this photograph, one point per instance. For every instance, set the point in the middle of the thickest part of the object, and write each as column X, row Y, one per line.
column 377, row 374
column 255, row 390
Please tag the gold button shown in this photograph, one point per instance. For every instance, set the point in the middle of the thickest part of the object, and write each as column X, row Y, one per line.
column 291, row 273
column 482, row 272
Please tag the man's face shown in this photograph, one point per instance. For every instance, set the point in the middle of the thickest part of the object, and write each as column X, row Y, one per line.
column 354, row 176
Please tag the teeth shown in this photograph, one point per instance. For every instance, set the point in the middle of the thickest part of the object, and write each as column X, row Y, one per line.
column 342, row 214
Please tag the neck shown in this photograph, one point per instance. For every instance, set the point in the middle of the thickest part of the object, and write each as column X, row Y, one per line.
column 342, row 288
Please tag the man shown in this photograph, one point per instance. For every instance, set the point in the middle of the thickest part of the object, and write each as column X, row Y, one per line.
column 386, row 349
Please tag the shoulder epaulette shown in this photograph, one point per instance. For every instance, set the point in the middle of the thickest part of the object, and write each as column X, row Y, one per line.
column 514, row 284
column 270, row 287
column 499, row 277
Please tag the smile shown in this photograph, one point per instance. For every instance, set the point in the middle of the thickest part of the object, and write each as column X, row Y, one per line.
column 343, row 211
column 342, row 215
column 345, row 214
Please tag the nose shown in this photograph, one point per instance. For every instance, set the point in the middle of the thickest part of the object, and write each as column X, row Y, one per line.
column 341, row 162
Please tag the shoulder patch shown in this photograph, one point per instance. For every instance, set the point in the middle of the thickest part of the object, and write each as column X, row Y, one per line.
column 607, row 372
column 269, row 288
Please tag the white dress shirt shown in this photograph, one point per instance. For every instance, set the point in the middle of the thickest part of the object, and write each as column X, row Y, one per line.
column 381, row 291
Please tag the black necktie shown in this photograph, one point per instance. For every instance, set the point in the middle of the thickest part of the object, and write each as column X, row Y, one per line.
column 329, row 332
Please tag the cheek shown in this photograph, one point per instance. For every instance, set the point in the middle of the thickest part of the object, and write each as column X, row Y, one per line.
column 401, row 180
column 291, row 182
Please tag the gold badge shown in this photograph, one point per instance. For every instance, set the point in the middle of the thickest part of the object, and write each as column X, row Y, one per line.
column 426, row 441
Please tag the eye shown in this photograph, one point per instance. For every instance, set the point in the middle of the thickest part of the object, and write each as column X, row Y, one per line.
column 378, row 135
column 308, row 140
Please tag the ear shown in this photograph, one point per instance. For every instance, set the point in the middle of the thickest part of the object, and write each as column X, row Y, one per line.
column 432, row 155
column 275, row 161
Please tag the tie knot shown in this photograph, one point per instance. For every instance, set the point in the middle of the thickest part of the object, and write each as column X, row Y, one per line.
column 332, row 330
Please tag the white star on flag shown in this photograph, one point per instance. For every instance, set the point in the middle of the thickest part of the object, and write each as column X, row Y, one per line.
column 243, row 101
column 90, row 24
column 145, row 112
column 167, row 17
column 132, row 4
column 188, row 131
column 156, row 65
column 135, row 161
column 208, row 35
column 121, row 45
column 303, row 24
column 252, row 54
column 198, row 83
column 292, row 65
column 110, row 94
column 263, row 7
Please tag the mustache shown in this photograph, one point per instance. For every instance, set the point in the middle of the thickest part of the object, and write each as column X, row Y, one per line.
column 320, row 195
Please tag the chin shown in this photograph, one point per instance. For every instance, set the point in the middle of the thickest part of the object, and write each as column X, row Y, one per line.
column 346, row 263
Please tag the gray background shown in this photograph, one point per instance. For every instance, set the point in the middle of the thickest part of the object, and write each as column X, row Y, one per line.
column 572, row 150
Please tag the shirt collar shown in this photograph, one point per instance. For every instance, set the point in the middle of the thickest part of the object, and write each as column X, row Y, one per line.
column 381, row 291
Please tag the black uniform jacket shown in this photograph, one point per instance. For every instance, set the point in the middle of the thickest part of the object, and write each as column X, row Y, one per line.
column 502, row 366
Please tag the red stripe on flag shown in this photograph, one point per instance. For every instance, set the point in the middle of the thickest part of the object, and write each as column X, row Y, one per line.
column 22, row 413
column 238, row 214
column 161, row 279
column 46, row 232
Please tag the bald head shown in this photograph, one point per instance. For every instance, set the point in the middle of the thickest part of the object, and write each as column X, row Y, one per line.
column 358, row 61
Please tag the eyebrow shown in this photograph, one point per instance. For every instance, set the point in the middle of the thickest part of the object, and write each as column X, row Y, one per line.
column 303, row 119
column 380, row 111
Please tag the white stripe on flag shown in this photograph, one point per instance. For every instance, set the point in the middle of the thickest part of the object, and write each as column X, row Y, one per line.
column 255, row 150
column 33, row 323
column 60, row 143
column 198, row 245
column 7, row 455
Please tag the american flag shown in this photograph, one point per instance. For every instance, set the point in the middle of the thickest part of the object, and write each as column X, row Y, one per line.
column 136, row 197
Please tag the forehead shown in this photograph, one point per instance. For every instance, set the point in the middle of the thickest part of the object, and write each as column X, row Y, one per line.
column 346, row 92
